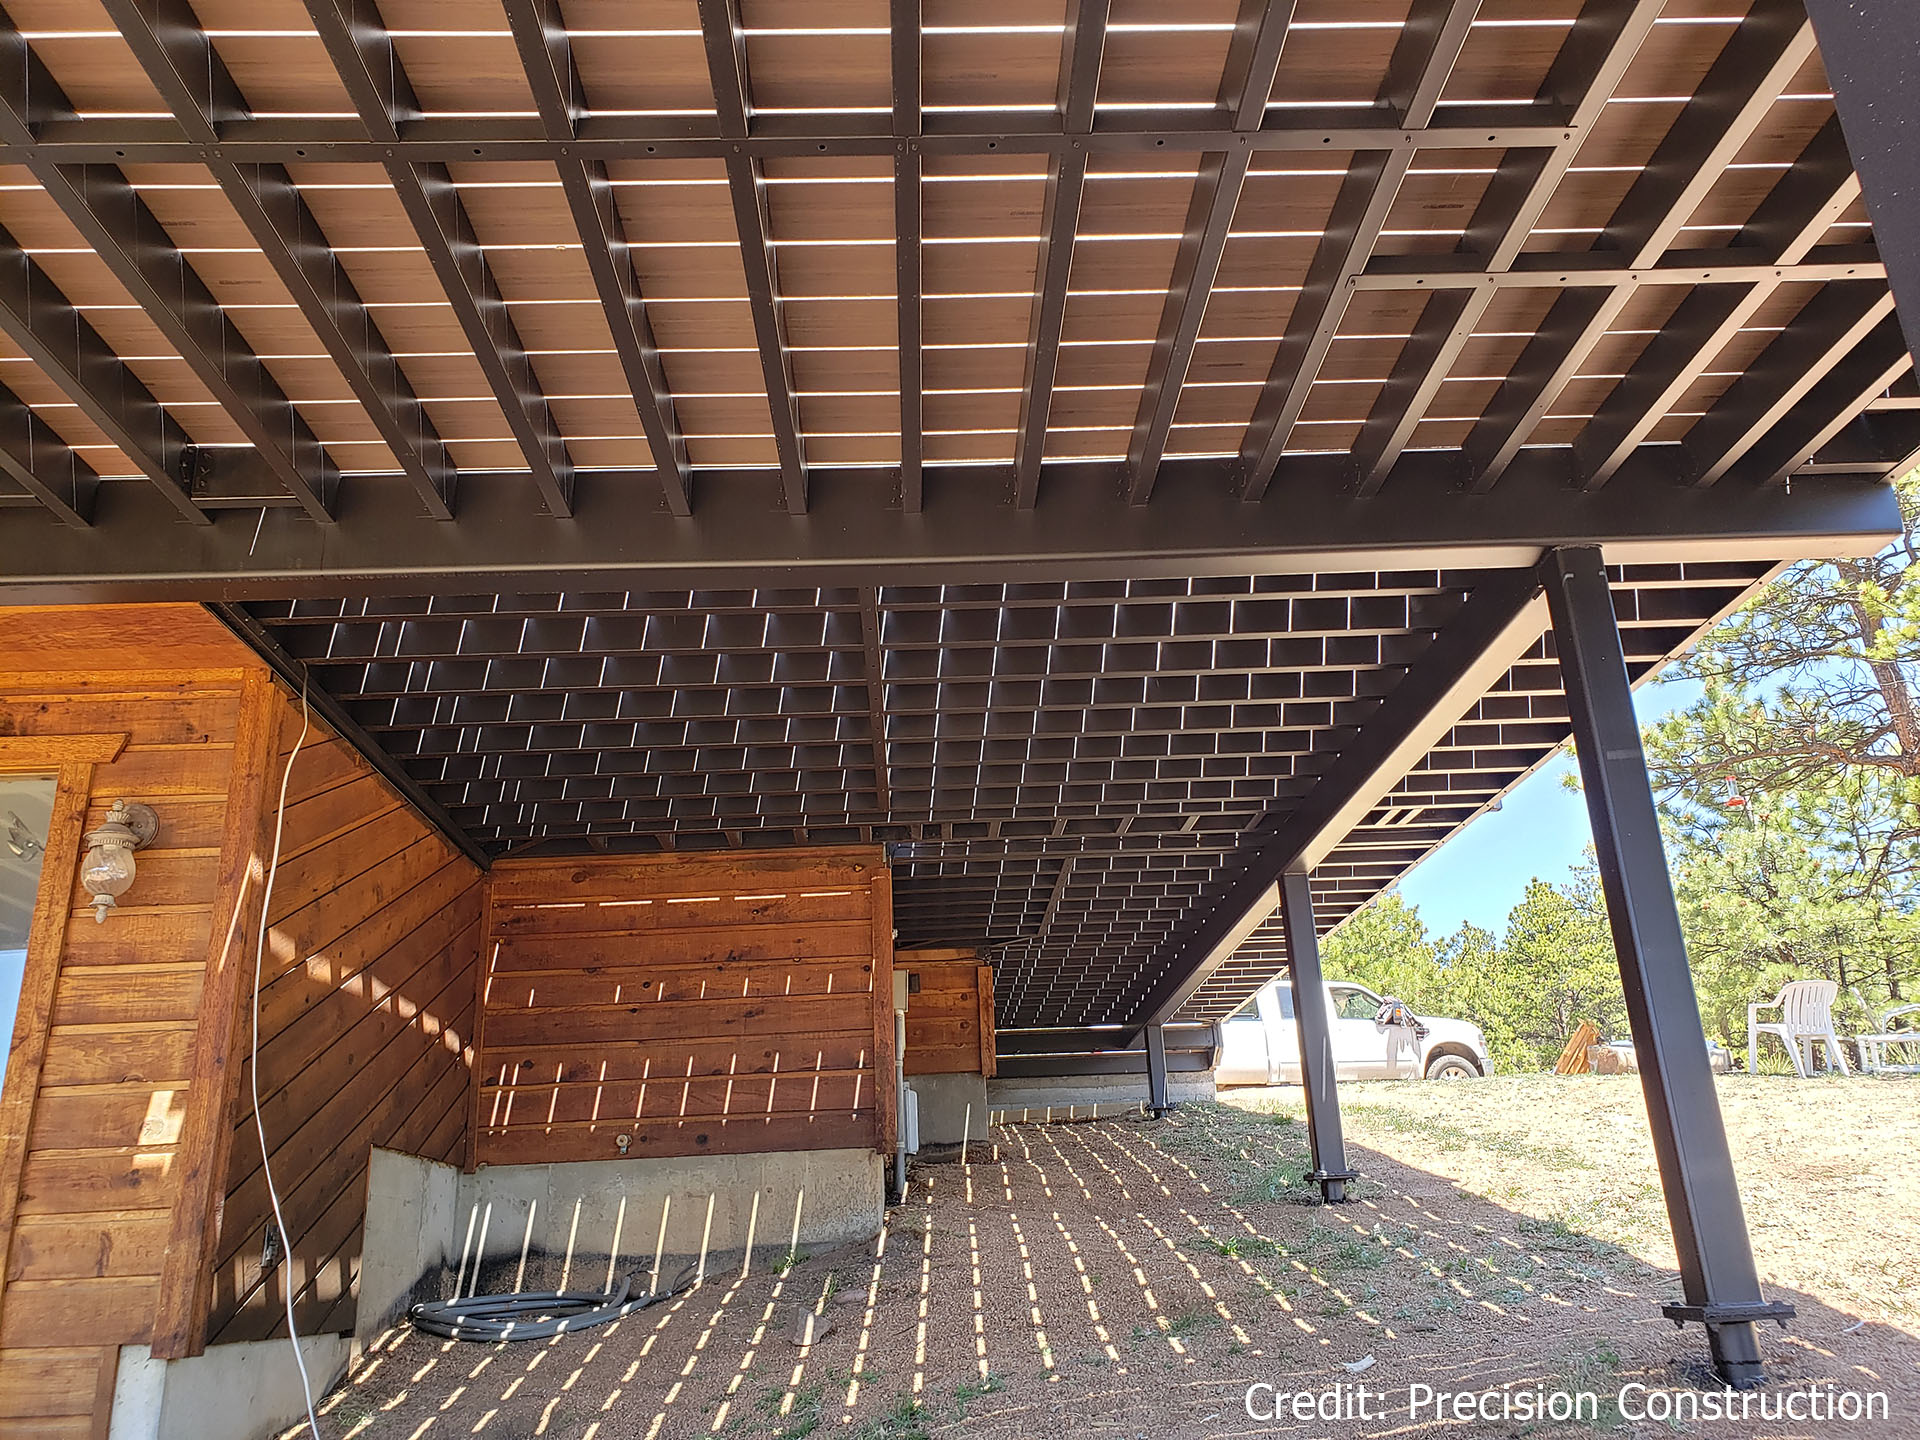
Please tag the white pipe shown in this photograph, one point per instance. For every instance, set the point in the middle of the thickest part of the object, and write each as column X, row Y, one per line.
column 900, row 1107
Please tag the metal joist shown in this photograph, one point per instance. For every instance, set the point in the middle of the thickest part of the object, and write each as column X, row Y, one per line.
column 362, row 53
column 1499, row 623
column 1082, row 48
column 726, row 41
column 1428, row 49
column 59, row 339
column 1841, row 395
column 1799, row 210
column 43, row 464
column 188, row 72
column 909, row 281
column 1252, row 63
column 126, row 235
column 546, row 52
column 1814, row 343
column 1585, row 73
column 1768, row 49
column 874, row 647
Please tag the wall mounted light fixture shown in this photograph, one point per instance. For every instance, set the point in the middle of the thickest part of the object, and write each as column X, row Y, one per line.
column 107, row 872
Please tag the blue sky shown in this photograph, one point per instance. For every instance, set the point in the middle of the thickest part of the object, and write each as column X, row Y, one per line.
column 1481, row 873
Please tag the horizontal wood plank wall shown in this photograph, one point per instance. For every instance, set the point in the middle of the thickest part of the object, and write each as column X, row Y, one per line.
column 91, row 1222
column 694, row 1004
column 950, row 1017
column 366, row 1033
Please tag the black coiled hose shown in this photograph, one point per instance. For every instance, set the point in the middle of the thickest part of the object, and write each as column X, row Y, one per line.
column 535, row 1314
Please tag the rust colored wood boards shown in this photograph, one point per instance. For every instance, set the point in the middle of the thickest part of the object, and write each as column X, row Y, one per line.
column 121, row 702
column 688, row 1004
column 950, row 1014
column 365, row 1032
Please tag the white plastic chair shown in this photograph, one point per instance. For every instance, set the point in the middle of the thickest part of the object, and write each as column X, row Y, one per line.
column 1874, row 1048
column 1806, row 1017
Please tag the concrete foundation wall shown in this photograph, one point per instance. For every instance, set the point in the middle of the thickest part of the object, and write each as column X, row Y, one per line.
column 413, row 1209
column 1082, row 1092
column 950, row 1106
column 597, row 1210
column 233, row 1392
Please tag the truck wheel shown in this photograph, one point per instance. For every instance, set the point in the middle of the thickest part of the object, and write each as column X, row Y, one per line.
column 1452, row 1067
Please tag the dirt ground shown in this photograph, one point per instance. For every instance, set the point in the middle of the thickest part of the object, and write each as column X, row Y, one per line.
column 1132, row 1278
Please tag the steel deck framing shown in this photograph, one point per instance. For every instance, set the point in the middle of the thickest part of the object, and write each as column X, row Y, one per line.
column 1318, row 428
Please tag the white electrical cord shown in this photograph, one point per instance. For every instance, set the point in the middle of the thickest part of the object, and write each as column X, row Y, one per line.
column 259, row 1125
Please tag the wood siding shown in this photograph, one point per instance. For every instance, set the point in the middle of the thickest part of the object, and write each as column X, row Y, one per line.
column 366, row 1026
column 102, row 1083
column 694, row 1004
column 950, row 1017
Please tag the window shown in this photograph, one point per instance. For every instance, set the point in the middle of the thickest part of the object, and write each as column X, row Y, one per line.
column 1350, row 1003
column 26, row 809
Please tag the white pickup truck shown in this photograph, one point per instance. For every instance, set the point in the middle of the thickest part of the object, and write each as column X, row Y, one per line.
column 1260, row 1044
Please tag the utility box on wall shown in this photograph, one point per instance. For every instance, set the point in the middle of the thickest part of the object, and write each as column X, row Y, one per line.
column 950, row 1052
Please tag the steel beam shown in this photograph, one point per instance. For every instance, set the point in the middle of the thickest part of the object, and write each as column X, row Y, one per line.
column 362, row 53
column 42, row 464
column 69, row 351
column 726, row 41
column 1195, row 526
column 1773, row 42
column 1590, row 64
column 132, row 243
column 1500, row 622
column 1720, row 1285
column 1867, row 50
column 1428, row 49
column 1253, row 61
column 546, row 52
column 1082, row 46
column 1330, row 1171
column 190, row 76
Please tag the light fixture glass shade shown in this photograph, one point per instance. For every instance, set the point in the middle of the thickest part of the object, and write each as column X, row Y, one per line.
column 108, row 870
column 107, row 873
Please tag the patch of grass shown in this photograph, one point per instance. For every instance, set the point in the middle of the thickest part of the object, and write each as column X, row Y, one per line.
column 907, row 1420
column 1279, row 1181
column 803, row 1417
column 787, row 1261
column 1191, row 1322
column 968, row 1391
column 1330, row 1249
column 1229, row 1247
column 1597, row 1369
column 1556, row 1234
column 354, row 1410
column 1410, row 1122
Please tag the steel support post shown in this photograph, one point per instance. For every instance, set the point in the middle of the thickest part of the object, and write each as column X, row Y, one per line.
column 1720, row 1286
column 1157, row 1070
column 1316, row 1039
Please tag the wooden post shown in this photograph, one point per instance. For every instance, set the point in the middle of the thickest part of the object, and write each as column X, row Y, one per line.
column 206, row 1132
column 885, row 1102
